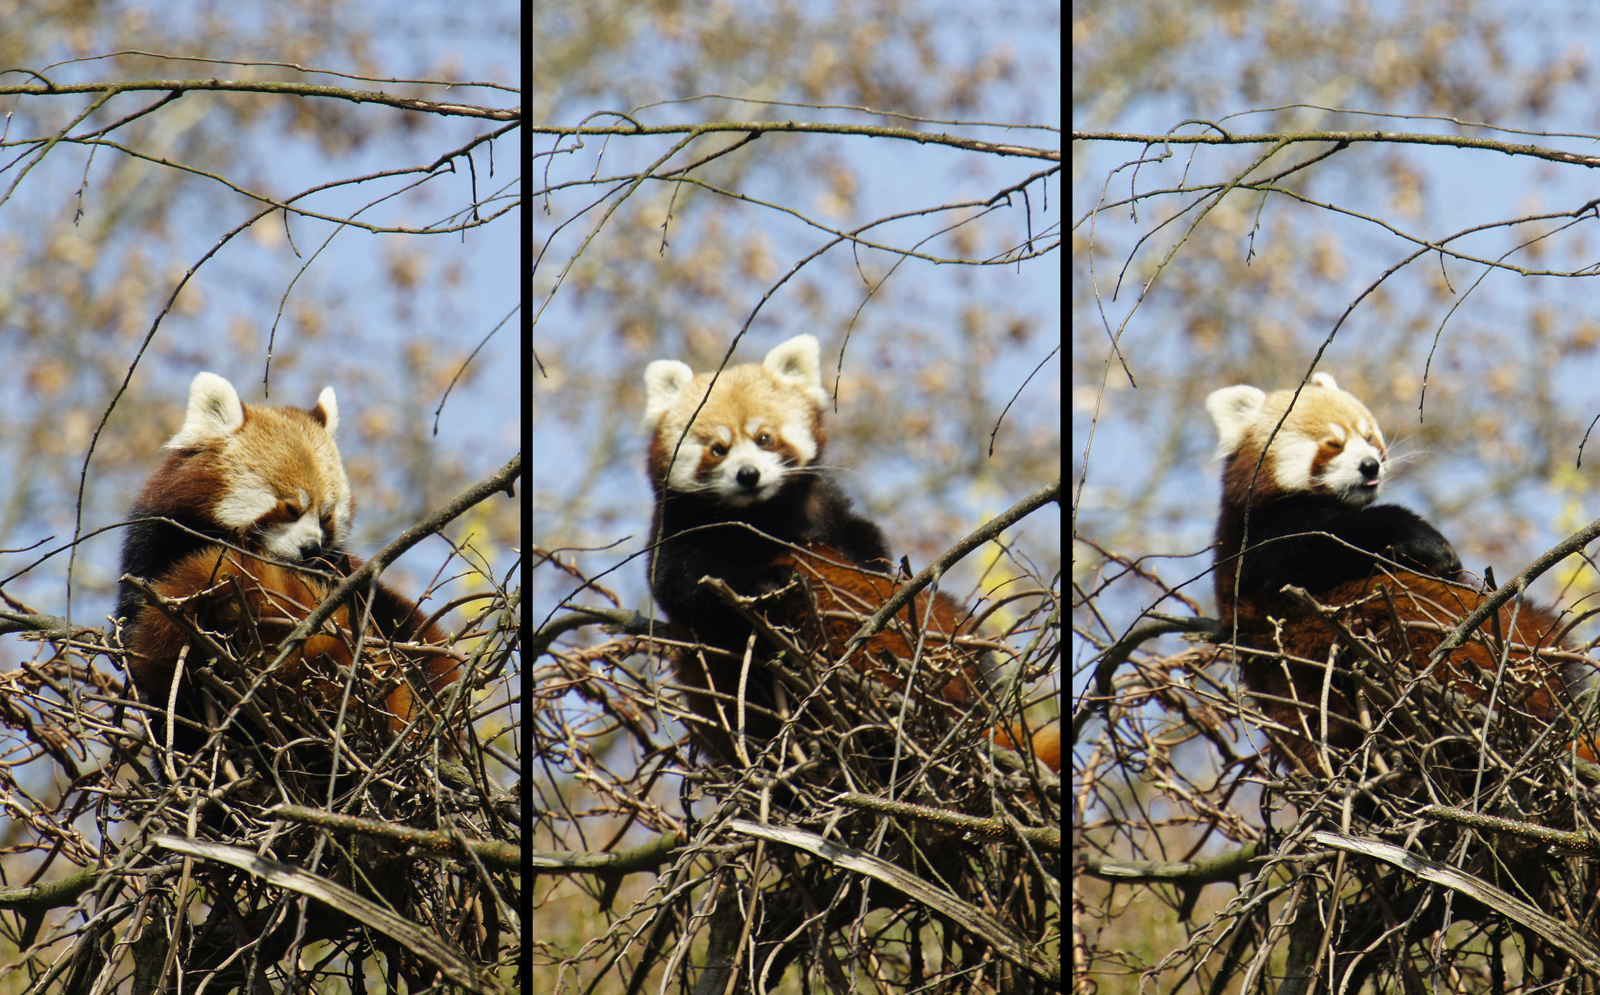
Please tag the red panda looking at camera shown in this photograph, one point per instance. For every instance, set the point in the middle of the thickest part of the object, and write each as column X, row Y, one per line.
column 247, row 520
column 742, row 497
column 1313, row 524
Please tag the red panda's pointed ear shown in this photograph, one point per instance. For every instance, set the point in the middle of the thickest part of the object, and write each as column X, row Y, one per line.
column 797, row 364
column 327, row 410
column 214, row 412
column 665, row 382
column 1234, row 410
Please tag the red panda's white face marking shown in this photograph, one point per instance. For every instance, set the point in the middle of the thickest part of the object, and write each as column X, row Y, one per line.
column 1329, row 444
column 760, row 426
column 272, row 475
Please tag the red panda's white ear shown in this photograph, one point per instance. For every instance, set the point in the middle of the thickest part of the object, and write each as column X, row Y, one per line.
column 328, row 406
column 665, row 381
column 1324, row 380
column 1235, row 411
column 797, row 363
column 214, row 411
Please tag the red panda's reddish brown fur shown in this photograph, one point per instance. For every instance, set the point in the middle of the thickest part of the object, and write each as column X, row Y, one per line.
column 846, row 596
column 1426, row 609
column 826, row 602
column 250, row 605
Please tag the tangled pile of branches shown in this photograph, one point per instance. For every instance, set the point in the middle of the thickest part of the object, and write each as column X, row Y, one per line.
column 878, row 832
column 333, row 804
column 1454, row 842
column 303, row 839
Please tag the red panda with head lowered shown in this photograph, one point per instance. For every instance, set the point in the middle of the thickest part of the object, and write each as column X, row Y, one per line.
column 742, row 496
column 246, row 520
column 1300, row 512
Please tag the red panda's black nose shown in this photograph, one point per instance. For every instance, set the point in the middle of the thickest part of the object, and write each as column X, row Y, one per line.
column 748, row 477
column 1370, row 469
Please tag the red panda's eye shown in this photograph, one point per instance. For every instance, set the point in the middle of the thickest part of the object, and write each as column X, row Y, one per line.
column 718, row 450
column 764, row 440
column 1336, row 445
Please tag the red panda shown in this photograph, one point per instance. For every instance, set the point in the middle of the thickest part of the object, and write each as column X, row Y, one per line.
column 1313, row 524
column 742, row 496
column 270, row 484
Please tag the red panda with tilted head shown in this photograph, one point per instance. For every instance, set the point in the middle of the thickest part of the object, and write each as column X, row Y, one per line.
column 1313, row 524
column 742, row 496
column 247, row 518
